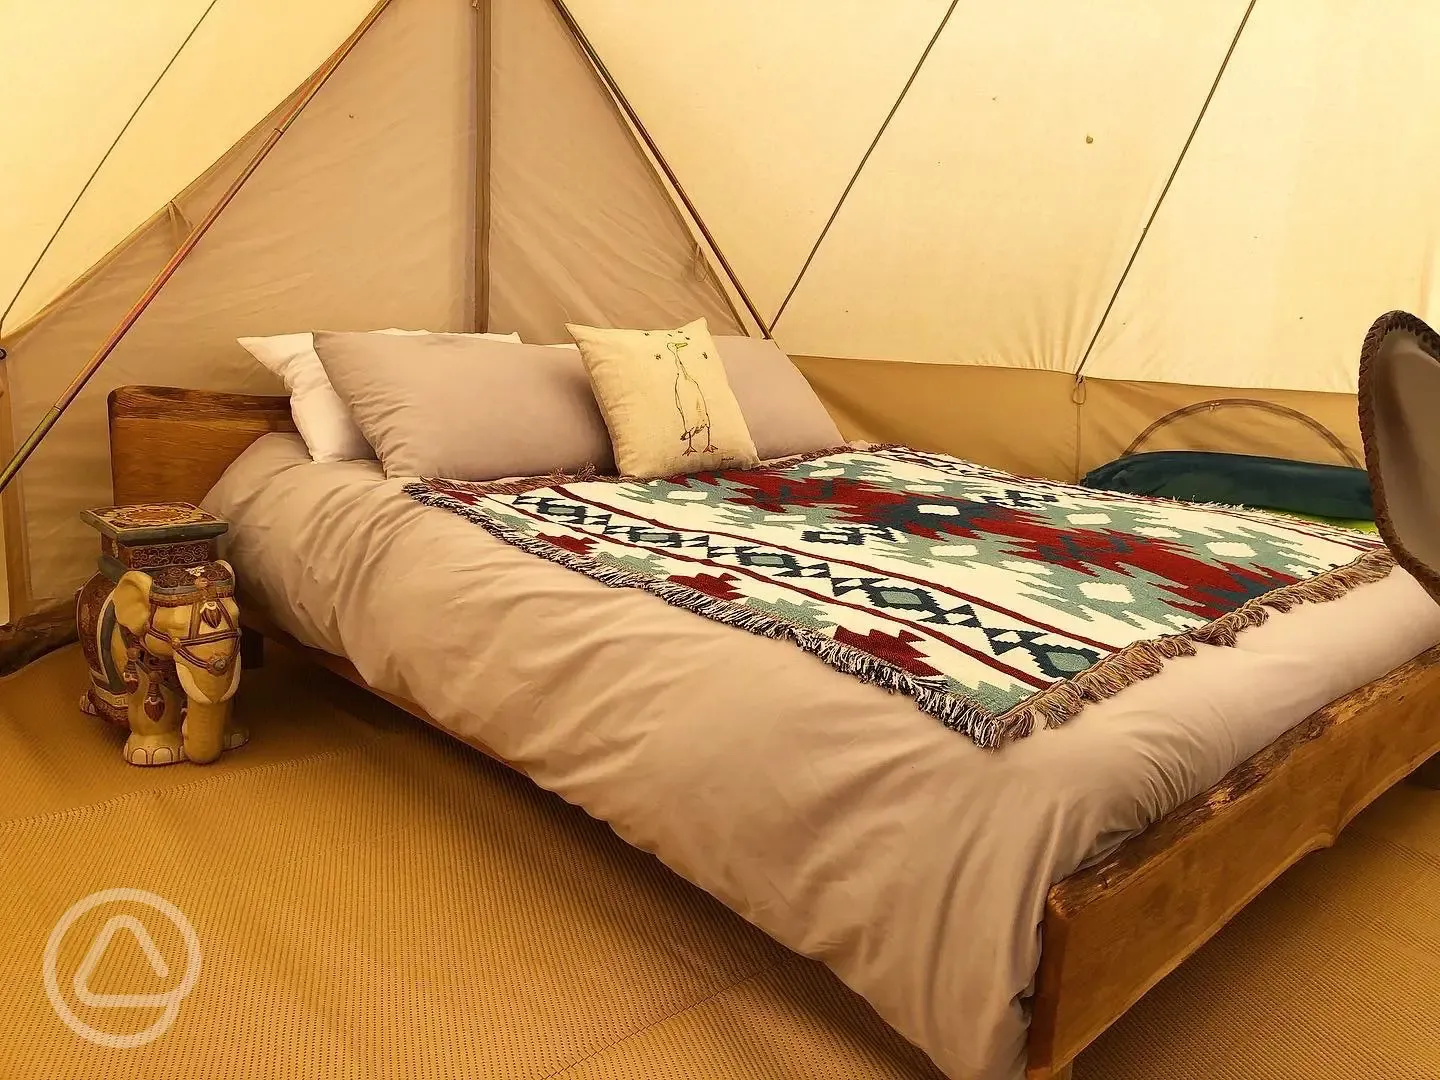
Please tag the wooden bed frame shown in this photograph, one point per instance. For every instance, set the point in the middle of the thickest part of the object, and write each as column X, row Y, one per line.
column 1112, row 931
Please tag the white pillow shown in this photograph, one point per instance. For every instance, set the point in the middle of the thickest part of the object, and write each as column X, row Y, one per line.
column 320, row 416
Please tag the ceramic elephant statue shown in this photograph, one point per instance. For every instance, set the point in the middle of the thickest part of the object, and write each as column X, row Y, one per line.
column 178, row 631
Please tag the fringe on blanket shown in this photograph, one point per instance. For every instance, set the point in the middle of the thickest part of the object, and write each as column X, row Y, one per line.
column 1061, row 701
column 1051, row 706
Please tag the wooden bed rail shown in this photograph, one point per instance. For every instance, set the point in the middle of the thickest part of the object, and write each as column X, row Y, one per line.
column 1113, row 931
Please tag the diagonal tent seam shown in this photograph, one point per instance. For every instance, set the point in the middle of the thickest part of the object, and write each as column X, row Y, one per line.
column 99, row 165
column 172, row 208
column 637, row 127
column 864, row 159
column 311, row 87
column 1164, row 191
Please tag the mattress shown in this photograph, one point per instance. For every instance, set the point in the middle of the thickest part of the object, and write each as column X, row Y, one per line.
column 832, row 814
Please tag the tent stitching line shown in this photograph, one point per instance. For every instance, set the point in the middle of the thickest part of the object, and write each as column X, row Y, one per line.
column 311, row 88
column 101, row 164
column 622, row 102
column 864, row 160
column 1164, row 191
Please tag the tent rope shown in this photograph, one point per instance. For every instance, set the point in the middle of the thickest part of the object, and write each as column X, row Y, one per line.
column 65, row 218
column 1164, row 191
column 884, row 124
column 312, row 87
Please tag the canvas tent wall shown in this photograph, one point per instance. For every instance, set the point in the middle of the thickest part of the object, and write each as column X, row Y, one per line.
column 1184, row 201
column 1023, row 233
column 366, row 214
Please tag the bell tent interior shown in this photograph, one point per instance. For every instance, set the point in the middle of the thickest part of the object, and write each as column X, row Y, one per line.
column 1022, row 255
column 1036, row 236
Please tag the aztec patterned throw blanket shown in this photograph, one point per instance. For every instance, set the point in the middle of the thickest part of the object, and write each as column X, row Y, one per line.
column 994, row 601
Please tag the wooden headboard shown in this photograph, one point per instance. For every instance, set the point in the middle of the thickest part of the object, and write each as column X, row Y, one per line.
column 169, row 445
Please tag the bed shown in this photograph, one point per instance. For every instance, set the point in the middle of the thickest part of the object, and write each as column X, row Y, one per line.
column 1000, row 911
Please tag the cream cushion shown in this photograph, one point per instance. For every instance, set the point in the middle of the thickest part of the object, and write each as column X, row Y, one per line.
column 666, row 400
column 329, row 431
column 781, row 411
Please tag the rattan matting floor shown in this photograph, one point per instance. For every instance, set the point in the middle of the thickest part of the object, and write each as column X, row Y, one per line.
column 373, row 899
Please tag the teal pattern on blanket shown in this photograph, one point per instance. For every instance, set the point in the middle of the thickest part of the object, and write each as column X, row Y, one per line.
column 995, row 602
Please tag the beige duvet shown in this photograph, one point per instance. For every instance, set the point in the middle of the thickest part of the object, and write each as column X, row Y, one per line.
column 835, row 816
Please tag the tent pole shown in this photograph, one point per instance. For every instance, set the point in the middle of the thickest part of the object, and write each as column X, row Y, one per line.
column 480, row 256
column 316, row 81
column 635, row 122
column 75, row 202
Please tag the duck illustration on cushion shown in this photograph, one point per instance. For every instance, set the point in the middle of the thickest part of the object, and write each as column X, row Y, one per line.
column 690, row 404
column 666, row 400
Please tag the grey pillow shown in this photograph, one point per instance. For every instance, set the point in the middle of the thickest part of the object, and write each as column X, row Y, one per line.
column 782, row 412
column 467, row 408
